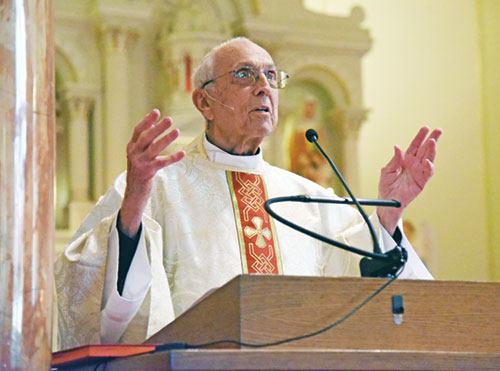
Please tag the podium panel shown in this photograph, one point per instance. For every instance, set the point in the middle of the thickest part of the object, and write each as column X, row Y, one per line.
column 439, row 316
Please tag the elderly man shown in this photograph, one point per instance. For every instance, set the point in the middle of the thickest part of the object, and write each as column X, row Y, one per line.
column 174, row 227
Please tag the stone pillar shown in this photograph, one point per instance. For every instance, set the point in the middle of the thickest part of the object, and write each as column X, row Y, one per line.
column 78, row 131
column 26, row 183
column 79, row 158
column 349, row 121
column 116, row 43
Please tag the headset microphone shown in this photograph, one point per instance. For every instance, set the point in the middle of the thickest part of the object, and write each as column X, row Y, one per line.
column 218, row 101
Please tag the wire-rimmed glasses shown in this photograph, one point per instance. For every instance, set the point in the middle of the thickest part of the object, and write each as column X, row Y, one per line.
column 246, row 76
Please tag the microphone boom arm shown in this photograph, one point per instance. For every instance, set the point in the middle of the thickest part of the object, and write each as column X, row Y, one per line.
column 347, row 201
column 338, row 200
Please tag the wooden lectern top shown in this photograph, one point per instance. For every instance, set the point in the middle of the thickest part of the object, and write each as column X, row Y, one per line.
column 447, row 316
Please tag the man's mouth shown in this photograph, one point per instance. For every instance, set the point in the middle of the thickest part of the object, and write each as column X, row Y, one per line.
column 262, row 109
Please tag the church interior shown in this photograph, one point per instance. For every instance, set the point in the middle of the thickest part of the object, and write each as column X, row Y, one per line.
column 366, row 75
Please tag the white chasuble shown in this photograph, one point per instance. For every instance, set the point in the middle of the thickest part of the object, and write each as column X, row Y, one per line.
column 203, row 225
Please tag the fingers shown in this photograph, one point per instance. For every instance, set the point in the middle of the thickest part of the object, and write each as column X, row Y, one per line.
column 416, row 143
column 433, row 138
column 424, row 174
column 150, row 134
column 396, row 161
column 150, row 138
column 428, row 149
column 436, row 133
column 163, row 161
column 146, row 123
column 158, row 146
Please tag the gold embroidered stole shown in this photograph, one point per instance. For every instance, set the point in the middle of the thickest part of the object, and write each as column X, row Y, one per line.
column 260, row 253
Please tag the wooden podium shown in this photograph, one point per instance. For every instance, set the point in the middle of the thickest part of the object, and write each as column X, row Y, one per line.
column 446, row 325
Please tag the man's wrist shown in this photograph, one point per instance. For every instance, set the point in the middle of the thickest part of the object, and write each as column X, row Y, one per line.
column 123, row 235
column 389, row 219
column 128, row 226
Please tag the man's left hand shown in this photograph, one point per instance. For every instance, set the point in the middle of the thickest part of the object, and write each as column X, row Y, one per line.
column 406, row 174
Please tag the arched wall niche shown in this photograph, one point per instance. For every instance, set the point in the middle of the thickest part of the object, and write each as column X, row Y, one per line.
column 312, row 99
column 76, row 102
column 329, row 79
column 65, row 65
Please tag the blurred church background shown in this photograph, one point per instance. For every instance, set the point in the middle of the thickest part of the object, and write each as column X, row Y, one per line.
column 365, row 74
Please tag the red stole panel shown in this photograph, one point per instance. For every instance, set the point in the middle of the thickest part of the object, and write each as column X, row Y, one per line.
column 256, row 232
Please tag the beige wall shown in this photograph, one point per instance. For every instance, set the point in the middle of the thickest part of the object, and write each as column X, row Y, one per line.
column 489, row 16
column 425, row 68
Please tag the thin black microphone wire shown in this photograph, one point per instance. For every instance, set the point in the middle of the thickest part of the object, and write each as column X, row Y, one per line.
column 291, row 339
column 177, row 346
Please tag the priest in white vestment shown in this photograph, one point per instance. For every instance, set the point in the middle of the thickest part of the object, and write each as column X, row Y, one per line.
column 193, row 220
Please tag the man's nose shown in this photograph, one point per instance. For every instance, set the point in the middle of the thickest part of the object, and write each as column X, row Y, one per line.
column 262, row 85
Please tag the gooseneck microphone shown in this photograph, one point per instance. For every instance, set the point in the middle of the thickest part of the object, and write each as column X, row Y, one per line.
column 312, row 136
column 369, row 267
column 374, row 264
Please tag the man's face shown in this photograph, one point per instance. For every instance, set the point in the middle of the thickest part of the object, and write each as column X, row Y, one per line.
column 255, row 106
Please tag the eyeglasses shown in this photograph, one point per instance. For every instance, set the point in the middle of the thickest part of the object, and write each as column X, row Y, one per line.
column 246, row 76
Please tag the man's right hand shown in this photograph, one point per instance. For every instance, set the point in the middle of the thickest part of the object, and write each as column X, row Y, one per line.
column 143, row 162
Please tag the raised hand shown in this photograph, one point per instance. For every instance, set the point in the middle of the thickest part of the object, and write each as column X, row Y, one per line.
column 406, row 174
column 143, row 162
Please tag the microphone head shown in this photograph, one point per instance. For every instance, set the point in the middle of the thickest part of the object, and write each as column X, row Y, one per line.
column 311, row 135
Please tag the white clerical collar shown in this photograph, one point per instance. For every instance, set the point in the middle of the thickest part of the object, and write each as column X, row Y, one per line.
column 220, row 156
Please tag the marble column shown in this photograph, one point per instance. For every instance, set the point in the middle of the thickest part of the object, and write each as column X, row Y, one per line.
column 26, row 183
column 116, row 43
column 79, row 159
column 78, row 131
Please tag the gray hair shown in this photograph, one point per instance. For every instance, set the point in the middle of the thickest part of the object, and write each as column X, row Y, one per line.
column 206, row 69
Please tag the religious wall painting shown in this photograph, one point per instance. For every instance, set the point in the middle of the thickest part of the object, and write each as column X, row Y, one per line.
column 306, row 104
column 304, row 158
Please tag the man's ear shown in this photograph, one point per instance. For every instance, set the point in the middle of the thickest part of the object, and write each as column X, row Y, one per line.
column 200, row 101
